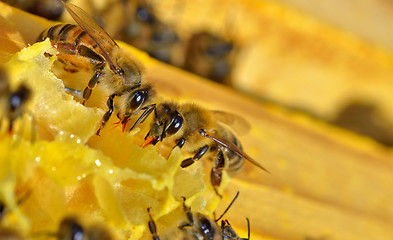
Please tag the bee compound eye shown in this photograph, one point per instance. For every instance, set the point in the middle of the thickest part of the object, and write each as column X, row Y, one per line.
column 144, row 15
column 206, row 228
column 137, row 99
column 18, row 97
column 77, row 232
column 176, row 124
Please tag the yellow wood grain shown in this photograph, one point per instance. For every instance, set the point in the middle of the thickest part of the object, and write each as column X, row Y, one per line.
column 322, row 178
column 289, row 57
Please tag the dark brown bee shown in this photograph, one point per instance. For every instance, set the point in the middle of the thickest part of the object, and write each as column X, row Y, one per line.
column 13, row 102
column 50, row 9
column 88, row 46
column 200, row 131
column 210, row 56
column 198, row 227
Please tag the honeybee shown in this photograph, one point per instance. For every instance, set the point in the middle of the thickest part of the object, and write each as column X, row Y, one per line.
column 198, row 227
column 88, row 46
column 145, row 31
column 71, row 229
column 140, row 27
column 12, row 102
column 200, row 131
column 210, row 56
column 50, row 9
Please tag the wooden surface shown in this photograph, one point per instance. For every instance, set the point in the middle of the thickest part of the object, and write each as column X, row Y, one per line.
column 297, row 59
column 325, row 183
column 322, row 177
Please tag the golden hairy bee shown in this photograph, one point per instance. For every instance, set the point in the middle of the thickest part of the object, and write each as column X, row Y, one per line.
column 210, row 56
column 12, row 102
column 88, row 46
column 201, row 132
column 198, row 227
column 144, row 30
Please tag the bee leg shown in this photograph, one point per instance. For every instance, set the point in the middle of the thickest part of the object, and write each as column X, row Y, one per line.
column 187, row 162
column 188, row 214
column 99, row 63
column 179, row 143
column 217, row 170
column 92, row 82
column 152, row 226
column 108, row 114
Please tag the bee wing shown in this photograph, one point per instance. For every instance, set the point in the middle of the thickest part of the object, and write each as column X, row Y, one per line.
column 99, row 36
column 232, row 147
column 236, row 122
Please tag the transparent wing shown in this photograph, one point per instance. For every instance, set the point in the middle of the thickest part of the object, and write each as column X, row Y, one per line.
column 236, row 122
column 232, row 147
column 99, row 36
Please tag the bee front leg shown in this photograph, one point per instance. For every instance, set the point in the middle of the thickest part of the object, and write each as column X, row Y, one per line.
column 187, row 162
column 190, row 218
column 108, row 114
column 180, row 143
column 152, row 226
column 217, row 170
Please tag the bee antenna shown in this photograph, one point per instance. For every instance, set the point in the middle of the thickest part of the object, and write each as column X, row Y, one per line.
column 249, row 230
column 148, row 110
column 164, row 131
column 229, row 206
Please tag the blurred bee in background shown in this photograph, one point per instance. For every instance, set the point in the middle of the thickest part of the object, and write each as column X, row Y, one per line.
column 49, row 9
column 202, row 132
column 12, row 102
column 210, row 56
column 199, row 226
column 88, row 46
column 135, row 22
column 365, row 118
column 145, row 31
column 70, row 228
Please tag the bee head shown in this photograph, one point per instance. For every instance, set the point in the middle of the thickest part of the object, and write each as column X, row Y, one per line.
column 207, row 228
column 18, row 97
column 167, row 122
column 132, row 103
column 71, row 229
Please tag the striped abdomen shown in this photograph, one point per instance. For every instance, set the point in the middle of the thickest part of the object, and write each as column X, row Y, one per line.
column 234, row 161
column 67, row 38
